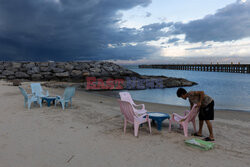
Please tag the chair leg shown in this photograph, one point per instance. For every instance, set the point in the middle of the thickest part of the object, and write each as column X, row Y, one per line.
column 136, row 128
column 29, row 104
column 169, row 128
column 149, row 125
column 185, row 129
column 125, row 126
column 40, row 103
column 194, row 125
column 63, row 103
column 170, row 123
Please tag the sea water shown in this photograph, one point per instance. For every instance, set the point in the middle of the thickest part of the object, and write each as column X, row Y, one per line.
column 229, row 90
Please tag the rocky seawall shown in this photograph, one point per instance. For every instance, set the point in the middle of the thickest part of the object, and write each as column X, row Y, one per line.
column 79, row 72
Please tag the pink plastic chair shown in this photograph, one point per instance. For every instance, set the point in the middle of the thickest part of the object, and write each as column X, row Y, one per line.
column 131, row 117
column 184, row 120
column 125, row 96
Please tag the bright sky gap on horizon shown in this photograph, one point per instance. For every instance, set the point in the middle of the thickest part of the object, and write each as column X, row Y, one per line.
column 126, row 31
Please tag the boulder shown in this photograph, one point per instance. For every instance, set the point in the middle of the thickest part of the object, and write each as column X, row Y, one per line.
column 64, row 74
column 76, row 73
column 11, row 77
column 44, row 69
column 69, row 67
column 7, row 64
column 2, row 77
column 21, row 75
column 36, row 77
column 58, row 70
column 85, row 74
column 7, row 73
column 44, row 64
column 29, row 65
column 16, row 65
column 33, row 70
column 16, row 82
column 60, row 65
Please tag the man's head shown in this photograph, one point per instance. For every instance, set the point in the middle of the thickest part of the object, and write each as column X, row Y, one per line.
column 181, row 93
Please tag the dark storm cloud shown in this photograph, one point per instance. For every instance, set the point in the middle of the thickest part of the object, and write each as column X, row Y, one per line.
column 229, row 23
column 69, row 30
column 89, row 29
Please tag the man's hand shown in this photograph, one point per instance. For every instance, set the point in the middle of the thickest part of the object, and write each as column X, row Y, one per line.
column 198, row 105
column 182, row 120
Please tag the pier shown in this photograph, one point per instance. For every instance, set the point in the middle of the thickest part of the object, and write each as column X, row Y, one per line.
column 233, row 68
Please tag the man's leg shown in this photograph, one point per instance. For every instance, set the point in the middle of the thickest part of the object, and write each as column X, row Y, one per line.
column 210, row 128
column 200, row 127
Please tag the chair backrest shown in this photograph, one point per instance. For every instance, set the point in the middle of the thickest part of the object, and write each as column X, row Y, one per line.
column 125, row 96
column 69, row 92
column 127, row 110
column 192, row 114
column 36, row 89
column 23, row 92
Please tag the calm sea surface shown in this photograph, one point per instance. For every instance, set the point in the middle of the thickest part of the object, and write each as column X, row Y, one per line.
column 229, row 90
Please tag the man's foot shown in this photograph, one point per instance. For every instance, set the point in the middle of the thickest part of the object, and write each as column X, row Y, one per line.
column 196, row 134
column 208, row 139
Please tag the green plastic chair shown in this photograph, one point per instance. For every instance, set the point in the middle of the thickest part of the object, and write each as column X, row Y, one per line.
column 29, row 98
column 69, row 92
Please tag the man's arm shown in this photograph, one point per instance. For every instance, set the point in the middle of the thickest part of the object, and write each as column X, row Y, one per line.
column 191, row 105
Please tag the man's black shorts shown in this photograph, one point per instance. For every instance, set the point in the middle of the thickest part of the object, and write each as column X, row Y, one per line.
column 207, row 113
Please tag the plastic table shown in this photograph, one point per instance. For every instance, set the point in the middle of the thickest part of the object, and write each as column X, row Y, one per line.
column 49, row 99
column 158, row 117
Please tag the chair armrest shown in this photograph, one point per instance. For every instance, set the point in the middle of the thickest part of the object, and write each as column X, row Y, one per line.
column 143, row 115
column 46, row 92
column 58, row 97
column 178, row 118
column 140, row 111
column 142, row 105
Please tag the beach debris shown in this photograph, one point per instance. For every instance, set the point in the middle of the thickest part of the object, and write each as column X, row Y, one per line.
column 197, row 143
column 70, row 158
column 16, row 83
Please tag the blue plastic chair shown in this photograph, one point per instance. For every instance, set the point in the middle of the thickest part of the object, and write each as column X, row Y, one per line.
column 69, row 92
column 29, row 98
column 37, row 89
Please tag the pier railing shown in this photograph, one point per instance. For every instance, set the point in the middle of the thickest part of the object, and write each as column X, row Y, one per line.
column 233, row 68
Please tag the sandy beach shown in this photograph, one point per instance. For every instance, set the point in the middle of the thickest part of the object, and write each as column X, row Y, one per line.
column 90, row 134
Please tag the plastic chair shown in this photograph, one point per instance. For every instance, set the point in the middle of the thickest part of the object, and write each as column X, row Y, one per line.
column 125, row 96
column 184, row 120
column 131, row 117
column 37, row 89
column 69, row 92
column 29, row 98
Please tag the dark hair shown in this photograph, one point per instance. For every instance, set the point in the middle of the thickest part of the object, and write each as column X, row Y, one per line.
column 181, row 92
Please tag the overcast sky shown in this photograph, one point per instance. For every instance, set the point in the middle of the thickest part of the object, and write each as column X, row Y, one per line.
column 126, row 31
